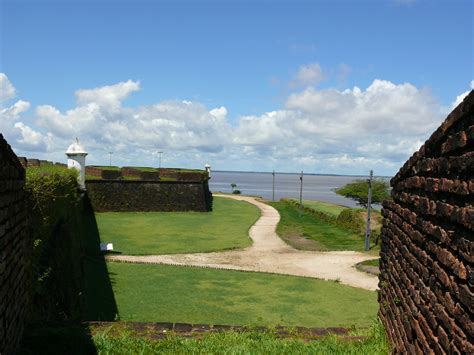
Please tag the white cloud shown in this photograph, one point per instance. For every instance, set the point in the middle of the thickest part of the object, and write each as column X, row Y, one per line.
column 108, row 97
column 318, row 130
column 381, row 125
column 17, row 133
column 7, row 90
column 309, row 74
column 461, row 97
column 30, row 139
column 103, row 121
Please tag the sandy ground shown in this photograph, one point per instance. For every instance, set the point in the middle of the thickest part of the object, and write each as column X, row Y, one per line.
column 269, row 253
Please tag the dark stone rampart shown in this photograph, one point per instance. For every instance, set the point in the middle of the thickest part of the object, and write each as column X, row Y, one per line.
column 13, row 250
column 427, row 258
column 139, row 195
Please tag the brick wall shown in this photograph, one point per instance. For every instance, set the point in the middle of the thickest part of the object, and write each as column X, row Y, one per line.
column 136, row 195
column 427, row 259
column 13, row 249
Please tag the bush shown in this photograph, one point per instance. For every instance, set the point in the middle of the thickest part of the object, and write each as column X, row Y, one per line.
column 352, row 220
column 236, row 192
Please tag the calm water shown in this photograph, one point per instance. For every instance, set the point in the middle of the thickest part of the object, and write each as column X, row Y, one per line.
column 315, row 187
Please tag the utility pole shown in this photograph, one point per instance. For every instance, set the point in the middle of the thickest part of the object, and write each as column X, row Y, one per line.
column 159, row 164
column 110, row 158
column 301, row 190
column 273, row 195
column 369, row 201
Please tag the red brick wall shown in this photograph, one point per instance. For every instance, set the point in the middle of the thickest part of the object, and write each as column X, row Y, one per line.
column 427, row 259
column 13, row 249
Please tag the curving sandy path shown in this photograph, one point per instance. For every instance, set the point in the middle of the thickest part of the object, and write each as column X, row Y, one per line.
column 269, row 253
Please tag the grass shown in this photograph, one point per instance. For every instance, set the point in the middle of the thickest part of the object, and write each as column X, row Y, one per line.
column 75, row 339
column 139, row 233
column 50, row 171
column 114, row 168
column 325, row 207
column 154, row 293
column 249, row 342
column 296, row 225
column 372, row 262
column 145, row 168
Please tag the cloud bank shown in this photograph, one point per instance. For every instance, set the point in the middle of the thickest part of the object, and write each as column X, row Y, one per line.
column 317, row 130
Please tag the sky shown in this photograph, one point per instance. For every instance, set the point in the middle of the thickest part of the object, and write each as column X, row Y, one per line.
column 339, row 87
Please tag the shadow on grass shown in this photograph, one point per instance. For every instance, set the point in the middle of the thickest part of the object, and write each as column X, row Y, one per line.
column 98, row 297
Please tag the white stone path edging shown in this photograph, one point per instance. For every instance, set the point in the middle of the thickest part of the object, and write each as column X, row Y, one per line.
column 270, row 254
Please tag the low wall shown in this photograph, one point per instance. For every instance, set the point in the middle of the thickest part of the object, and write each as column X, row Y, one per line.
column 131, row 195
column 427, row 259
column 13, row 250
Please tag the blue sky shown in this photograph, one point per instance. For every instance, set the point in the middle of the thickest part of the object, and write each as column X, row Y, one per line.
column 268, row 67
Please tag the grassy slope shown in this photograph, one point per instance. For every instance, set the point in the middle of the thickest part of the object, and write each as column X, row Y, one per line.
column 193, row 295
column 137, row 233
column 325, row 207
column 295, row 222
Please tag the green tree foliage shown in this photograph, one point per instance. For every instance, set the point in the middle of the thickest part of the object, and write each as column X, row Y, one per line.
column 235, row 191
column 358, row 190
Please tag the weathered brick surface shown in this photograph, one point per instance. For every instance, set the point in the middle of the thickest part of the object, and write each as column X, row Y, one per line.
column 427, row 257
column 13, row 250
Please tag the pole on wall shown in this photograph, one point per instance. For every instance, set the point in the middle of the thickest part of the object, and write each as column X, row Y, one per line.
column 273, row 195
column 301, row 190
column 369, row 201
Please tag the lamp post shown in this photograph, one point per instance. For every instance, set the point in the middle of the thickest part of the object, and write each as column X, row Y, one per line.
column 369, row 201
column 110, row 158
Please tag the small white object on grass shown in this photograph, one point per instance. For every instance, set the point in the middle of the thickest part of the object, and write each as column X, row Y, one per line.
column 106, row 246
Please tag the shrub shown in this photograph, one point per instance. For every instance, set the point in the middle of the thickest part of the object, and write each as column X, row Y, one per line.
column 352, row 220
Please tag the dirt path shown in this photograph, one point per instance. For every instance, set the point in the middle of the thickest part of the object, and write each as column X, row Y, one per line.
column 269, row 253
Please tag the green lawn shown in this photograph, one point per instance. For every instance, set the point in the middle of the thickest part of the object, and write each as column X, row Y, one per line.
column 297, row 227
column 192, row 295
column 139, row 233
column 325, row 207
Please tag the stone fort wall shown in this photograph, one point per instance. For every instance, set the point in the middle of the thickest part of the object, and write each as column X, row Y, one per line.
column 131, row 195
column 13, row 249
column 427, row 259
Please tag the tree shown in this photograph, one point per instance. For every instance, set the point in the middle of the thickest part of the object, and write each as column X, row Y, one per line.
column 358, row 190
column 234, row 190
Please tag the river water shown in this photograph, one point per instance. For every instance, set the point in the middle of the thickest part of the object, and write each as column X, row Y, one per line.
column 315, row 187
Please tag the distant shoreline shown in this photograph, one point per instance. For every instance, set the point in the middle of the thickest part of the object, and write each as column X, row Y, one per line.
column 286, row 173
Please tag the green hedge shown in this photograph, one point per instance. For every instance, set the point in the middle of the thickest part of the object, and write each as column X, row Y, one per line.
column 349, row 219
column 56, row 260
